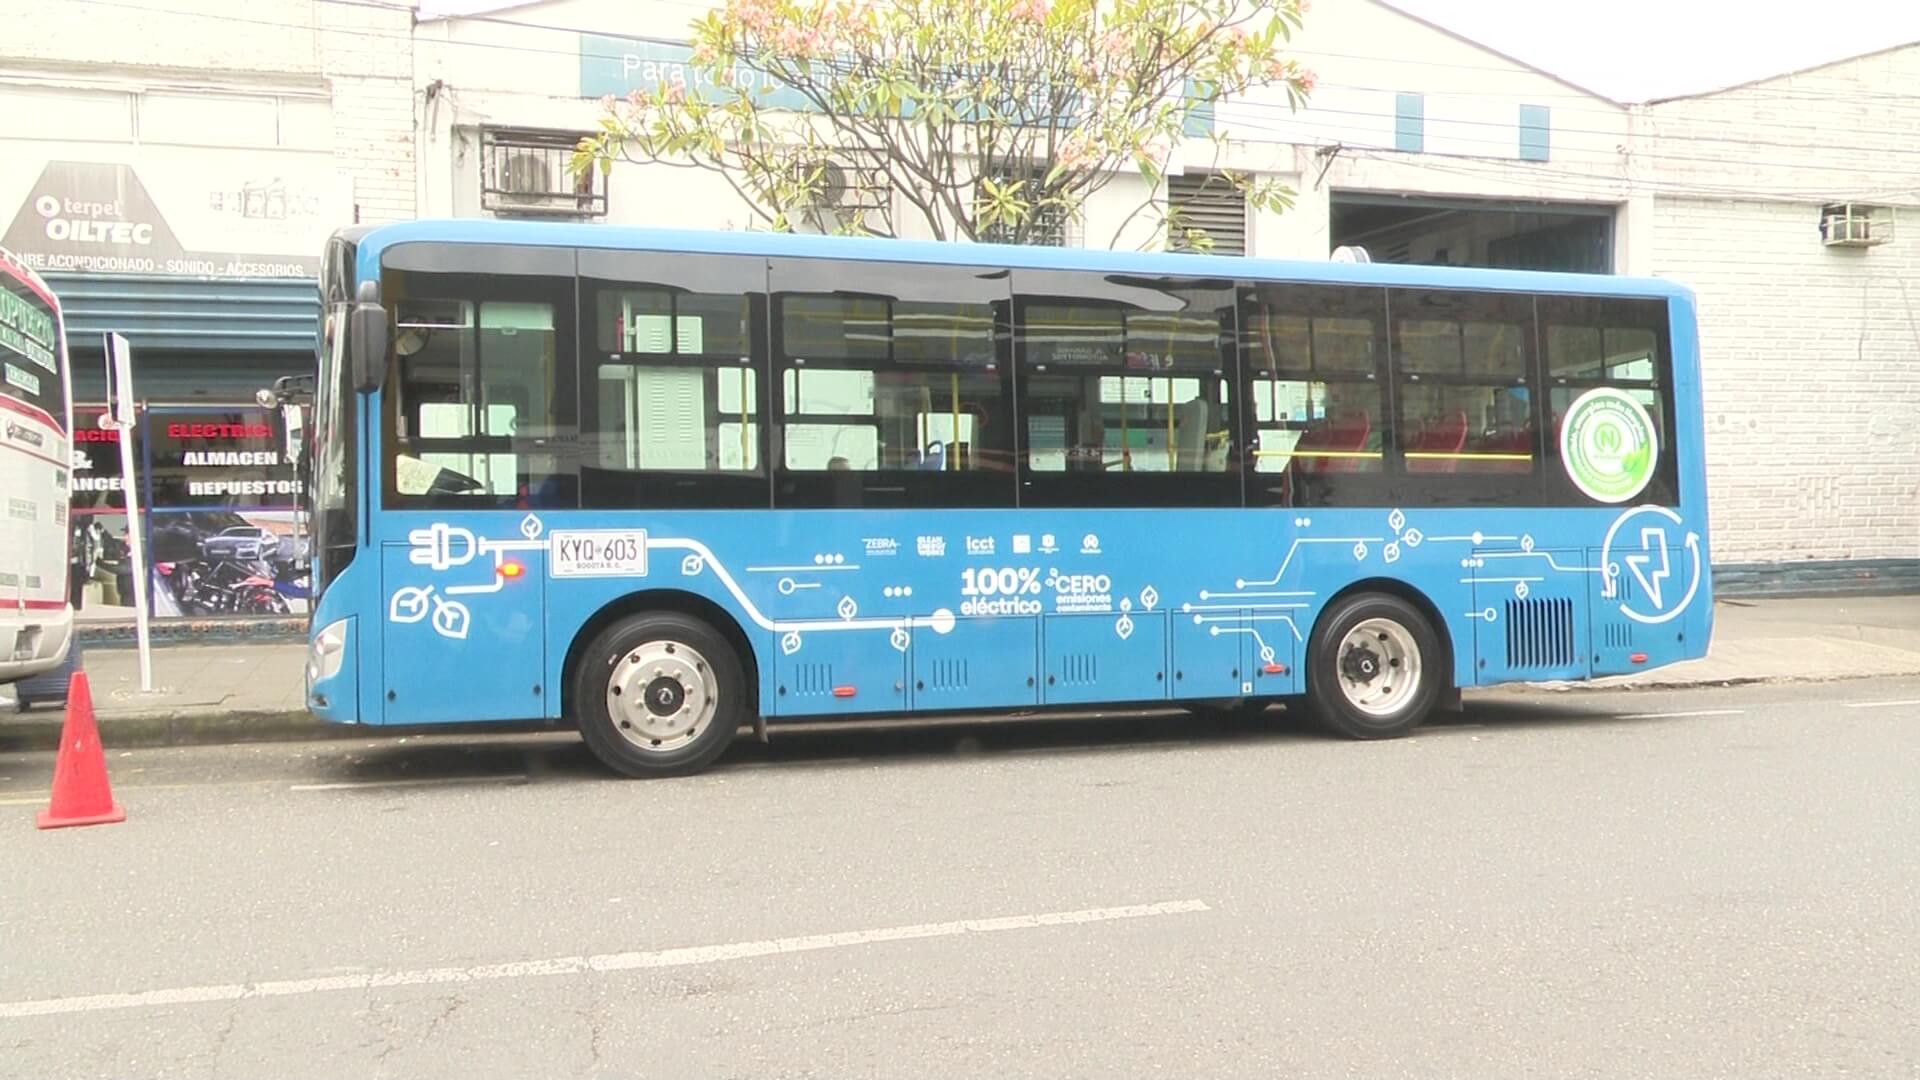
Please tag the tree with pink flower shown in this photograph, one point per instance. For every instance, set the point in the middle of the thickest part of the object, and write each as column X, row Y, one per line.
column 980, row 119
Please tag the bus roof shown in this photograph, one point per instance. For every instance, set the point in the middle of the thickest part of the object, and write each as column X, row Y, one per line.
column 373, row 240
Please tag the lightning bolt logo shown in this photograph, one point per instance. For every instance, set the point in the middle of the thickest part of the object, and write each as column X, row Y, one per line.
column 1651, row 541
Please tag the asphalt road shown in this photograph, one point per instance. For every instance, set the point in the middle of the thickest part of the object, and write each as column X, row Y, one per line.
column 1691, row 884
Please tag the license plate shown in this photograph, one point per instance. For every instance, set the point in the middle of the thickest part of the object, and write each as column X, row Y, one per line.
column 597, row 552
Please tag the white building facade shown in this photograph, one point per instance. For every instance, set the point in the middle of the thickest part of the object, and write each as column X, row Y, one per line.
column 266, row 127
column 173, row 167
column 1420, row 146
column 168, row 153
column 1792, row 207
column 1388, row 153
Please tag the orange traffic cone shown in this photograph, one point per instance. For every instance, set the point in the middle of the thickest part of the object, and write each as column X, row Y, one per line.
column 80, row 792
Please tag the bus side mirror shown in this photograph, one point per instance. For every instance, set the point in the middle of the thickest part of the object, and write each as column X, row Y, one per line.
column 367, row 344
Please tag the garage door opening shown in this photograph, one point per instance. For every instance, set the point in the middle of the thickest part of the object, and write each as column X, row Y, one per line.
column 1466, row 232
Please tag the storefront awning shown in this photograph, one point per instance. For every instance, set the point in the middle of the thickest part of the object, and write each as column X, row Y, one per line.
column 157, row 312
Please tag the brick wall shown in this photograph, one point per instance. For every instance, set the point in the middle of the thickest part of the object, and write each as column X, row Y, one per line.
column 200, row 35
column 366, row 55
column 1811, row 354
column 1811, row 366
column 359, row 56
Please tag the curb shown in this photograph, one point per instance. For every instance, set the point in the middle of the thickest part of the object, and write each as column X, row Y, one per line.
column 118, row 635
column 1718, row 682
column 40, row 729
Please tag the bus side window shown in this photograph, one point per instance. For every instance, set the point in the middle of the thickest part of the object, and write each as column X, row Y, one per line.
column 1313, row 362
column 1123, row 382
column 1620, row 344
column 1462, row 366
column 893, row 386
column 673, row 381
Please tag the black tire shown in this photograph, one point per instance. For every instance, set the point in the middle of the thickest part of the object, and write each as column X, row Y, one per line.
column 1331, row 705
column 698, row 665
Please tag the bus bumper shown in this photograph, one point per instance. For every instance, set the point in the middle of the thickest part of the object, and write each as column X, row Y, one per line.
column 333, row 672
column 35, row 644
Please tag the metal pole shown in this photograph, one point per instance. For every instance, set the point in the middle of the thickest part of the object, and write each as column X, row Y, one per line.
column 120, row 417
column 137, row 550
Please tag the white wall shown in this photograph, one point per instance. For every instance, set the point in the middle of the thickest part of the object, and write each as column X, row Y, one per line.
column 1365, row 54
column 486, row 72
column 206, row 93
column 1811, row 354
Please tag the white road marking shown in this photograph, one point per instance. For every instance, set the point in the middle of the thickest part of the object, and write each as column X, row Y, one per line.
column 1679, row 715
column 1881, row 704
column 425, row 781
column 574, row 965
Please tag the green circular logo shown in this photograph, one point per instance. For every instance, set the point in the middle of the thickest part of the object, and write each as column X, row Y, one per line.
column 1608, row 445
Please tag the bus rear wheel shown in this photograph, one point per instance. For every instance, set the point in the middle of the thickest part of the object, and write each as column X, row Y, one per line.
column 659, row 694
column 1373, row 667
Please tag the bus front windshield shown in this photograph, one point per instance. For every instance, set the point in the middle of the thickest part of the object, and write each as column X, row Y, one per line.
column 30, row 349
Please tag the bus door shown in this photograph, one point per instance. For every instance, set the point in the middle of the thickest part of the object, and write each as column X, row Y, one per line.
column 471, row 406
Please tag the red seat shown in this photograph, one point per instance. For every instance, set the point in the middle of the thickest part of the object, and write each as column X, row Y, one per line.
column 1445, row 436
column 1347, row 435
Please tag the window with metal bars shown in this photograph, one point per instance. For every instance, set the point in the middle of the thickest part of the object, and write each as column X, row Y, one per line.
column 524, row 172
column 1206, row 212
column 1051, row 226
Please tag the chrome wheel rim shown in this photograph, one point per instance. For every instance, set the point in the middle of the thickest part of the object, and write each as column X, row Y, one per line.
column 1378, row 664
column 661, row 696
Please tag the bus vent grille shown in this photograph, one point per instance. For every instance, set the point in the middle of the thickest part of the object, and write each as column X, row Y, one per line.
column 812, row 680
column 1079, row 669
column 947, row 675
column 1539, row 633
column 1617, row 635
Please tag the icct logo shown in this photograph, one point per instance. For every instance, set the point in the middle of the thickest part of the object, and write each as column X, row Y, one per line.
column 1640, row 548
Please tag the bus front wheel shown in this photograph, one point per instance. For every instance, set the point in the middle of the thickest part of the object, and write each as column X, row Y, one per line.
column 659, row 694
column 1374, row 667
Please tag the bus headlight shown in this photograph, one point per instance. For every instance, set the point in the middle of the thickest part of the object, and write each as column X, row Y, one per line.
column 327, row 650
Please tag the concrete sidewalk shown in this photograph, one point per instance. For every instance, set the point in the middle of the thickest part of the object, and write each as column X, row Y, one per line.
column 1803, row 640
column 243, row 692
column 201, row 693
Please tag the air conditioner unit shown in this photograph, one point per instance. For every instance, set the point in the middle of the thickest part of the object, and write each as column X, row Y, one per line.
column 848, row 196
column 525, row 172
column 1853, row 225
column 528, row 175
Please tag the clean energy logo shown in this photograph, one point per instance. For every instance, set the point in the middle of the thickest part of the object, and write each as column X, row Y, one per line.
column 1639, row 543
column 1608, row 445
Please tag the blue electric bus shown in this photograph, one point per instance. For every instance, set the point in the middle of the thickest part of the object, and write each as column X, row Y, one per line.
column 663, row 485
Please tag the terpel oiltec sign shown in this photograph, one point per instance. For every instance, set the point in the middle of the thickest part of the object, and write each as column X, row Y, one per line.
column 98, row 217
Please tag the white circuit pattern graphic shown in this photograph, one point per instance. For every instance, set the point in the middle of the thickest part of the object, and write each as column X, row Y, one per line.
column 1256, row 600
column 1252, row 601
